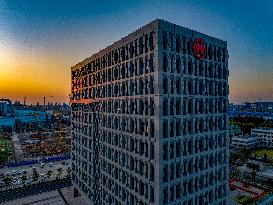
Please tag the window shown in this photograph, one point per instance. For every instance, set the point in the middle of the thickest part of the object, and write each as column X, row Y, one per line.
column 165, row 63
column 165, row 40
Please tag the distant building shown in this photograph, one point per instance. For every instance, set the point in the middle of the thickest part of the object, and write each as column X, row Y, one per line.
column 247, row 141
column 3, row 108
column 266, row 135
column 259, row 106
column 6, row 108
column 260, row 137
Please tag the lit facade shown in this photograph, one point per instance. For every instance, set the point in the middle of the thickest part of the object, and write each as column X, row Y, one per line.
column 163, row 96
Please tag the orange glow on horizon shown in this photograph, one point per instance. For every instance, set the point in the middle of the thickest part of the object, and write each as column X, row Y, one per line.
column 33, row 76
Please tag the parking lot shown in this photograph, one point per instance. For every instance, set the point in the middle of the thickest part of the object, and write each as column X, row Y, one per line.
column 57, row 169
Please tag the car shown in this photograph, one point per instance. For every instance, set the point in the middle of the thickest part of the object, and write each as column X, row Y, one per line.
column 13, row 173
column 33, row 168
column 24, row 176
column 7, row 174
column 24, row 172
column 50, row 164
column 14, row 182
column 42, row 165
column 19, row 172
column 19, row 181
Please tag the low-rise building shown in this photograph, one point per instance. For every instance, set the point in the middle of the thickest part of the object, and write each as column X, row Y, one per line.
column 247, row 141
column 260, row 137
column 6, row 108
column 265, row 134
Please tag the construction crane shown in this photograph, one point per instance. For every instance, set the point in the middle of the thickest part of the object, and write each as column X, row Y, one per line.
column 93, row 106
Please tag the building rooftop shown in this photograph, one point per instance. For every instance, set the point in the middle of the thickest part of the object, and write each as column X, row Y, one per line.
column 247, row 193
column 246, row 136
column 263, row 128
column 154, row 23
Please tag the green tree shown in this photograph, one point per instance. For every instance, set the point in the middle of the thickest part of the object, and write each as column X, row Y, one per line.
column 24, row 179
column 244, row 154
column 254, row 155
column 7, row 180
column 265, row 157
column 60, row 171
column 4, row 151
column 236, row 173
column 35, row 176
column 253, row 174
column 234, row 157
column 68, row 171
column 49, row 173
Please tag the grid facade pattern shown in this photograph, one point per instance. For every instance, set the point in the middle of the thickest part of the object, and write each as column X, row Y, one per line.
column 163, row 119
column 265, row 135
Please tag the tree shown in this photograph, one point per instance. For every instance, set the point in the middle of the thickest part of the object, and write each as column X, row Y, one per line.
column 234, row 157
column 236, row 173
column 245, row 154
column 68, row 171
column 35, row 176
column 254, row 155
column 7, row 180
column 49, row 173
column 253, row 174
column 265, row 157
column 4, row 151
column 24, row 178
column 60, row 171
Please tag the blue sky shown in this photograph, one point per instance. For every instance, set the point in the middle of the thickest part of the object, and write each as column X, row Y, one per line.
column 58, row 34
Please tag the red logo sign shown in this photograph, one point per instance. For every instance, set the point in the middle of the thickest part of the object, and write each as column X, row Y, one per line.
column 199, row 48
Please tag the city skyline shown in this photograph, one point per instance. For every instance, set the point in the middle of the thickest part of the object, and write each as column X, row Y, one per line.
column 41, row 40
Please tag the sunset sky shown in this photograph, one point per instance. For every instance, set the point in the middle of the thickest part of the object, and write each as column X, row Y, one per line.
column 41, row 39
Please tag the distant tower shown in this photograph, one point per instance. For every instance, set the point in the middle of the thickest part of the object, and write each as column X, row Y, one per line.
column 44, row 102
column 25, row 101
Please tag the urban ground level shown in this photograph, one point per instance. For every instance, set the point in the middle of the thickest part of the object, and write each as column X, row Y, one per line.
column 62, row 196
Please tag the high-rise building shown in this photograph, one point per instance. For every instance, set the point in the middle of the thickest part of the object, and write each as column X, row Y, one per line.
column 149, row 119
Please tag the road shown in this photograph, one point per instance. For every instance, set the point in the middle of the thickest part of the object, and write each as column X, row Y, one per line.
column 29, row 169
column 52, row 197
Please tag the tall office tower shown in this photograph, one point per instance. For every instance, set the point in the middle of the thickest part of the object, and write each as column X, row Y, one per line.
column 149, row 119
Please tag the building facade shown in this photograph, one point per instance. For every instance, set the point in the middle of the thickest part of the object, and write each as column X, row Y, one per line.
column 162, row 96
column 6, row 108
column 247, row 141
column 265, row 134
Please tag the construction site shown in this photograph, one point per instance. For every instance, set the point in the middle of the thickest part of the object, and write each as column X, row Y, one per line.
column 34, row 131
column 46, row 140
column 45, row 144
